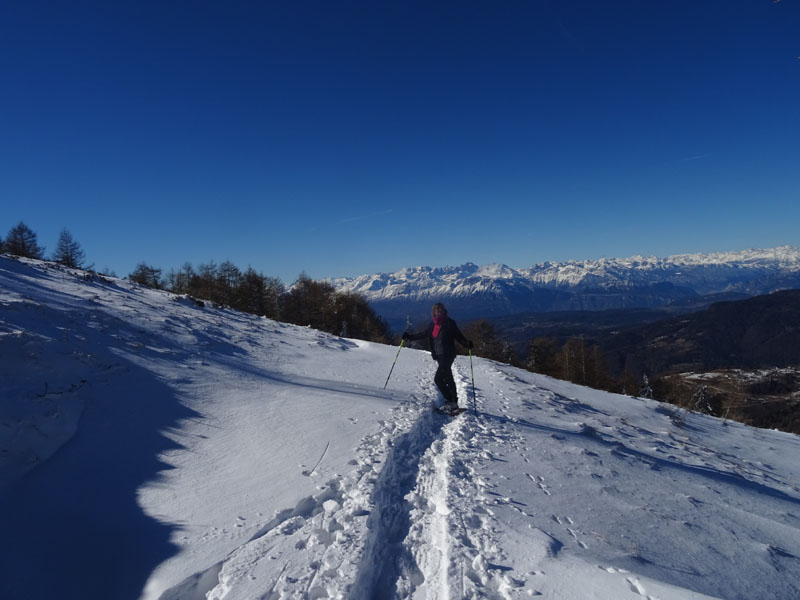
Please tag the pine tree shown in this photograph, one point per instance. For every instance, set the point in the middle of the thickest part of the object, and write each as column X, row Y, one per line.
column 646, row 391
column 68, row 252
column 21, row 241
column 702, row 401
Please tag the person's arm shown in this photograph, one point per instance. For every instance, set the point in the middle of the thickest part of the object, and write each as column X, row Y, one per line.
column 417, row 336
column 460, row 336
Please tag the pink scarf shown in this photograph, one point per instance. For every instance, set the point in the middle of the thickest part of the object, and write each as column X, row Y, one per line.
column 437, row 324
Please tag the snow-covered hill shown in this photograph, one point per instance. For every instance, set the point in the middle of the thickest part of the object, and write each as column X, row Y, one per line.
column 151, row 447
column 586, row 285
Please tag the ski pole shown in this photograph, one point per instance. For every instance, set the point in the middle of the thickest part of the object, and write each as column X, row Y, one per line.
column 394, row 363
column 472, row 373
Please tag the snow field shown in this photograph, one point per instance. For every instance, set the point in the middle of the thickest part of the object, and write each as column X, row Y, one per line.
column 169, row 451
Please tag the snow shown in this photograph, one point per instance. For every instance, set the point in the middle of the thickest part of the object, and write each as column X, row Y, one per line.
column 706, row 272
column 153, row 448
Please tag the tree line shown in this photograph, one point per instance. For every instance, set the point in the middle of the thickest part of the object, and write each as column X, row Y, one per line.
column 574, row 359
column 307, row 303
column 580, row 361
column 767, row 402
column 316, row 304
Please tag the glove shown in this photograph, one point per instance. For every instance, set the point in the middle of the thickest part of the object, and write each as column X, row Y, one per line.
column 406, row 336
column 470, row 345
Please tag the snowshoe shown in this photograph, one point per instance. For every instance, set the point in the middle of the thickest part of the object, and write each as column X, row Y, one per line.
column 450, row 410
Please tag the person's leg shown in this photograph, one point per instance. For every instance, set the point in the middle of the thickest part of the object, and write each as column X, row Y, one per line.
column 439, row 378
column 445, row 382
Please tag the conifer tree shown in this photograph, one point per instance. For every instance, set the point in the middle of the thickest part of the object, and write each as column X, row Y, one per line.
column 68, row 252
column 702, row 402
column 646, row 391
column 21, row 241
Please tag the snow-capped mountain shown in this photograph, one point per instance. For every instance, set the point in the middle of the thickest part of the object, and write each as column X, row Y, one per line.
column 604, row 283
column 154, row 448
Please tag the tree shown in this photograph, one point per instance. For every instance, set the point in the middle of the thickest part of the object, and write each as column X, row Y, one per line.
column 572, row 361
column 311, row 303
column 204, row 283
column 318, row 305
column 627, row 383
column 258, row 295
column 646, row 391
column 179, row 282
column 146, row 275
column 228, row 279
column 702, row 401
column 21, row 241
column 488, row 343
column 542, row 356
column 68, row 252
column 358, row 319
column 507, row 353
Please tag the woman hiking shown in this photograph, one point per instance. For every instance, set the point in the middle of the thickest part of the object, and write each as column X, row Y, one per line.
column 442, row 334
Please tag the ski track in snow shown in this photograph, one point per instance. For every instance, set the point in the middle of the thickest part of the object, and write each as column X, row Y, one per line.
column 410, row 521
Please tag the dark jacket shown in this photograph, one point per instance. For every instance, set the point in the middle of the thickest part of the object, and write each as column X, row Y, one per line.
column 442, row 346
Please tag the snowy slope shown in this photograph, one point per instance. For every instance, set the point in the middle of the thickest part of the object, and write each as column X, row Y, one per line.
column 153, row 448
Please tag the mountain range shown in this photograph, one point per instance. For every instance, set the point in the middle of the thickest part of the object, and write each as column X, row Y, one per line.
column 471, row 291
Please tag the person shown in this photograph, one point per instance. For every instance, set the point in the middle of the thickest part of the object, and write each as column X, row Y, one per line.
column 442, row 333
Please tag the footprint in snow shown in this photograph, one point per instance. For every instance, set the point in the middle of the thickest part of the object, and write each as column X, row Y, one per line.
column 635, row 586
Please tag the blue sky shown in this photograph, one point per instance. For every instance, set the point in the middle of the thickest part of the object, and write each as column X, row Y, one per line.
column 342, row 138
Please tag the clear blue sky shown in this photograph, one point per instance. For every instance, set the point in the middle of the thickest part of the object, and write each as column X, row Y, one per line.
column 342, row 138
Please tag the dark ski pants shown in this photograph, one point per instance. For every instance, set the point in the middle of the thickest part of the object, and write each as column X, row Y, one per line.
column 444, row 379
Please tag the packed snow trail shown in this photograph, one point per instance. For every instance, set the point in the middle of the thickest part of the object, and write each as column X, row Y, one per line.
column 163, row 449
